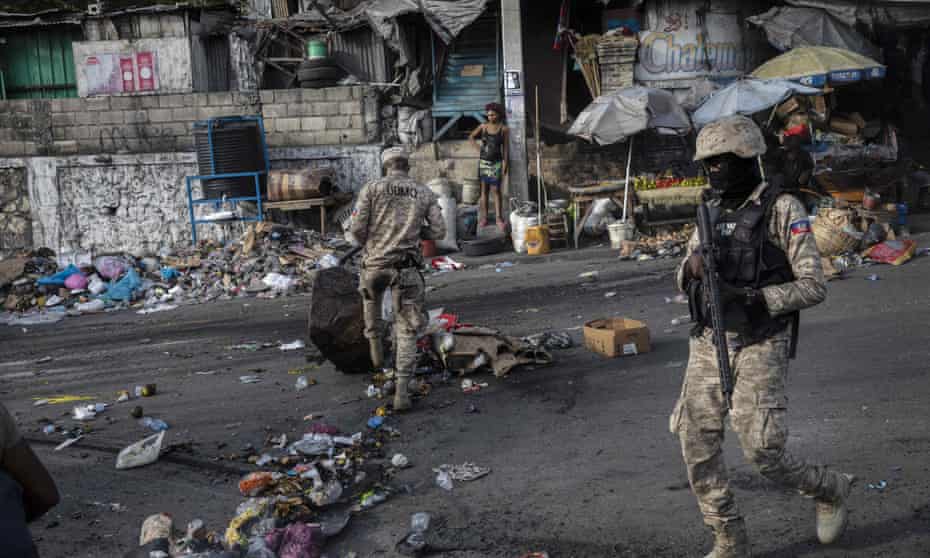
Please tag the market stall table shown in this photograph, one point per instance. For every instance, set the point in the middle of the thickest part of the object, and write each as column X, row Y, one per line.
column 302, row 205
column 583, row 195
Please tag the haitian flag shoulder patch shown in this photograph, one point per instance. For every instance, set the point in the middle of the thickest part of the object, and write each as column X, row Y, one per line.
column 800, row 226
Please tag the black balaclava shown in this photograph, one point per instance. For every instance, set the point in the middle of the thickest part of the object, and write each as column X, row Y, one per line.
column 735, row 180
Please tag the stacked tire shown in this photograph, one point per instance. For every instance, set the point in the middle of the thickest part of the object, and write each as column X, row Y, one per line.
column 319, row 73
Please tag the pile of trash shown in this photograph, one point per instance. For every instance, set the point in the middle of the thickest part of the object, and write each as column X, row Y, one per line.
column 267, row 261
column 301, row 493
column 848, row 238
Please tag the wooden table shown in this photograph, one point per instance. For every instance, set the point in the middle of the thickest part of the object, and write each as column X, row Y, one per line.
column 583, row 195
column 301, row 205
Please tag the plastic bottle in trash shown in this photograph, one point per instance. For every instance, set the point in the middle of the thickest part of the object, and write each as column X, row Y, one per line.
column 302, row 383
column 419, row 524
column 154, row 424
column 444, row 480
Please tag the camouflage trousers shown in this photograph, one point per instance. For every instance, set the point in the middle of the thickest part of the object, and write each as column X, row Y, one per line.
column 758, row 416
column 409, row 294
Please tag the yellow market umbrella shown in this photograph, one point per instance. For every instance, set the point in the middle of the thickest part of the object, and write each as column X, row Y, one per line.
column 818, row 66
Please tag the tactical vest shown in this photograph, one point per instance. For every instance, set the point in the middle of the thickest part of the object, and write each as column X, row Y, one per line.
column 746, row 257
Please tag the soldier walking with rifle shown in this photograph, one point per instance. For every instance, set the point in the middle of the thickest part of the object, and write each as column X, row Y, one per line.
column 752, row 267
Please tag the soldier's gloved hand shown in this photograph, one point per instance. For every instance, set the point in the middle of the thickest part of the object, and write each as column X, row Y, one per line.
column 695, row 266
column 746, row 296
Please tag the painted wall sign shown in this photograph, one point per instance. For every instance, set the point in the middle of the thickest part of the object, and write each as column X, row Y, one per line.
column 680, row 42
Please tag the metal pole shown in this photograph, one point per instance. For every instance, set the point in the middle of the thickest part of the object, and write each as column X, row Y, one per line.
column 514, row 97
column 539, row 178
column 626, row 183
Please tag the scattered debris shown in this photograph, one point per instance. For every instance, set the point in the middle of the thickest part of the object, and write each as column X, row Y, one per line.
column 293, row 345
column 141, row 453
column 268, row 261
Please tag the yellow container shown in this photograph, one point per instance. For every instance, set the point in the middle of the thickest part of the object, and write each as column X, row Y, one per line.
column 537, row 240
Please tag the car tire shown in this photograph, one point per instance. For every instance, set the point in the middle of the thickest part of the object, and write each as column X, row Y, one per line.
column 484, row 246
column 320, row 73
column 319, row 83
column 316, row 63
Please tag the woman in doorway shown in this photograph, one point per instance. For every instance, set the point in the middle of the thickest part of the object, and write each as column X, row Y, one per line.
column 492, row 162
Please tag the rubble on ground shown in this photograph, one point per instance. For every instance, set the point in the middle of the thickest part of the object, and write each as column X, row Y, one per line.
column 667, row 243
column 267, row 261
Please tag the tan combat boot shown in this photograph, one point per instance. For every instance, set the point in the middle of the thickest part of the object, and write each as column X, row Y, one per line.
column 730, row 541
column 401, row 396
column 376, row 351
column 833, row 514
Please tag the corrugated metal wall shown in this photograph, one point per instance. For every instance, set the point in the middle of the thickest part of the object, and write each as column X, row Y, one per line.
column 210, row 62
column 364, row 54
column 38, row 64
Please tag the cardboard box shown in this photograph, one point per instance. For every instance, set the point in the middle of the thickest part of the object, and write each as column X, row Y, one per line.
column 788, row 107
column 843, row 126
column 614, row 337
column 858, row 119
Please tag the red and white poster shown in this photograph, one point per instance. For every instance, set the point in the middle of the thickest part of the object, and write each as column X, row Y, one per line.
column 145, row 61
column 127, row 74
column 108, row 74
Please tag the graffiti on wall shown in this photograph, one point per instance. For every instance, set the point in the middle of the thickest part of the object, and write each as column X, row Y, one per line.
column 140, row 137
column 131, row 207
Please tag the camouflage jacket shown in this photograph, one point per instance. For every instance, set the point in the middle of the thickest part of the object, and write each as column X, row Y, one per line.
column 391, row 215
column 789, row 229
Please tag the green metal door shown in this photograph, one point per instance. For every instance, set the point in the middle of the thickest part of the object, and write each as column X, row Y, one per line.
column 39, row 64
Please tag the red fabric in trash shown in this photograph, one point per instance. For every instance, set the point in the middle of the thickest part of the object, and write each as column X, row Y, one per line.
column 799, row 130
column 297, row 540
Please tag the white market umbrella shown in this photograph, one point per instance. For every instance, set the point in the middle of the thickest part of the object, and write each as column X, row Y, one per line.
column 622, row 114
column 747, row 97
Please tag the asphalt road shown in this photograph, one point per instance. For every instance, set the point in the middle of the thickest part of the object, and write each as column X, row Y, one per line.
column 582, row 461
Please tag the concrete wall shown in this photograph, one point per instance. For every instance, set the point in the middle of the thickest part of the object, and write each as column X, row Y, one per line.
column 163, row 123
column 457, row 160
column 106, row 174
column 88, row 204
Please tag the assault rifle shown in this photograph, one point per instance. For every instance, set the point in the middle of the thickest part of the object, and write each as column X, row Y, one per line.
column 712, row 302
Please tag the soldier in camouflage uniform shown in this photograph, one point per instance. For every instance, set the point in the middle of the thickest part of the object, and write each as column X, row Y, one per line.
column 391, row 215
column 769, row 270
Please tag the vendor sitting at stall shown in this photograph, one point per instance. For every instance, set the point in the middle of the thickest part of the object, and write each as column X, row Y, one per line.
column 492, row 163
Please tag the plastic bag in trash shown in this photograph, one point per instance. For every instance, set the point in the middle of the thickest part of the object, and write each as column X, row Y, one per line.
column 328, row 261
column 141, row 453
column 297, row 540
column 279, row 282
column 96, row 285
column 110, row 267
column 76, row 282
column 313, row 444
column 125, row 288
column 550, row 340
column 60, row 277
column 91, row 306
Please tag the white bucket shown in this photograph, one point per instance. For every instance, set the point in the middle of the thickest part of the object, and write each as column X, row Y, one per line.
column 619, row 232
column 471, row 191
column 518, row 227
column 441, row 187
